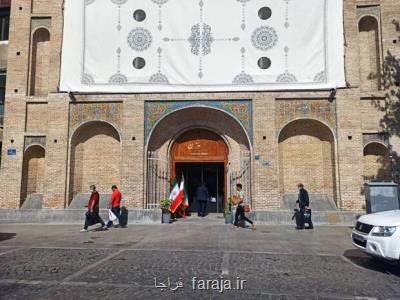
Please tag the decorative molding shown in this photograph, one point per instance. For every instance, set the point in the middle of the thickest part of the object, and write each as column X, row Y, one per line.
column 378, row 137
column 241, row 110
column 291, row 110
column 370, row 10
column 83, row 112
column 35, row 140
column 40, row 22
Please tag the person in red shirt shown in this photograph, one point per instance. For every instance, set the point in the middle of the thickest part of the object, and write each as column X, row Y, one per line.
column 92, row 214
column 115, row 202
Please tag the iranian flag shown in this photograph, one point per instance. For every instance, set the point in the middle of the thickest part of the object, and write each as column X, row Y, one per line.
column 186, row 199
column 176, row 196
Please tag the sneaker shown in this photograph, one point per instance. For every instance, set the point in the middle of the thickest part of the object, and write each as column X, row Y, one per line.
column 232, row 226
column 253, row 226
column 84, row 230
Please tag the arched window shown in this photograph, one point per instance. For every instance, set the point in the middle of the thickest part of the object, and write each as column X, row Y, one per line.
column 376, row 162
column 33, row 177
column 40, row 63
column 370, row 61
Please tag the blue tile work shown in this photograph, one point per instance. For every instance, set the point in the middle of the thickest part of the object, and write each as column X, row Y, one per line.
column 241, row 110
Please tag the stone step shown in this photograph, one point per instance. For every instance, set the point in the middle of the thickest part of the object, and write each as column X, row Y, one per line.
column 318, row 202
column 82, row 199
column 33, row 201
column 153, row 216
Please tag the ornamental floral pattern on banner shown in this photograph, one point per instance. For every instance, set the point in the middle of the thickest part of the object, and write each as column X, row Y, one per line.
column 199, row 44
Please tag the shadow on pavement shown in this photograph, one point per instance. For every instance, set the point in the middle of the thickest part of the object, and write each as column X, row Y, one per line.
column 371, row 263
column 6, row 236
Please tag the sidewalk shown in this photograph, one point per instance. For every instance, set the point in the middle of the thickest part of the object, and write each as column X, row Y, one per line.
column 275, row 262
column 187, row 234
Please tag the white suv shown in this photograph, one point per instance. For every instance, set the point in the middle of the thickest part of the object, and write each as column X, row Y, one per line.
column 378, row 234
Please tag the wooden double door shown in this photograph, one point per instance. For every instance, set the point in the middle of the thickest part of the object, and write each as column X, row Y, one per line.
column 201, row 157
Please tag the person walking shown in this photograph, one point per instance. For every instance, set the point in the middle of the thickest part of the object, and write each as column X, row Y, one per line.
column 92, row 215
column 114, row 205
column 202, row 197
column 303, row 201
column 241, row 202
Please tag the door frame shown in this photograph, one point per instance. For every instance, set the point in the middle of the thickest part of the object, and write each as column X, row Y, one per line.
column 214, row 157
column 206, row 161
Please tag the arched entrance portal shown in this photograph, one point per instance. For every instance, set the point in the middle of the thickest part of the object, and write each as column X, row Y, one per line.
column 307, row 155
column 202, row 139
column 201, row 157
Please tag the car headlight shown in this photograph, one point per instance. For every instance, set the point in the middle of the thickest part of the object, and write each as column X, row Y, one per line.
column 383, row 230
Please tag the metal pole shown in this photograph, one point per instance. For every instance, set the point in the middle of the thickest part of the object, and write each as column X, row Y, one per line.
column 217, row 190
column 202, row 174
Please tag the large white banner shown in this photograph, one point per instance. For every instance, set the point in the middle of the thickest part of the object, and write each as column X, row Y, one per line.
column 202, row 45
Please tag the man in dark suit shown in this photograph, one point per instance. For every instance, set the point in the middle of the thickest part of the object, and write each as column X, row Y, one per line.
column 303, row 201
column 202, row 197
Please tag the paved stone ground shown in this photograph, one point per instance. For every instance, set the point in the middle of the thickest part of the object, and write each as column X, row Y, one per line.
column 276, row 262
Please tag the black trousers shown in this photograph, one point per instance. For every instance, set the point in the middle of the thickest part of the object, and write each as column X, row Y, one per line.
column 202, row 207
column 92, row 218
column 240, row 213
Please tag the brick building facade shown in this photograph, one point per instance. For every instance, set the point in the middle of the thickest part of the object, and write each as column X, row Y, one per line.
column 56, row 144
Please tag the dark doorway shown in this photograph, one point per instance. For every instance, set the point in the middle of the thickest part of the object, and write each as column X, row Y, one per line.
column 212, row 175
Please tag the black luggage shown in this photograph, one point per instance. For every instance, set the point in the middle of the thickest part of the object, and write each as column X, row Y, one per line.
column 303, row 218
column 307, row 218
column 93, row 218
column 123, row 218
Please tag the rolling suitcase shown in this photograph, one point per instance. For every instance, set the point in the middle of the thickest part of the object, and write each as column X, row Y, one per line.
column 123, row 218
column 301, row 220
column 307, row 218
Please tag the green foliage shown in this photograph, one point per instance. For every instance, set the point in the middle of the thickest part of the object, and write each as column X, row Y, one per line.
column 164, row 205
column 228, row 206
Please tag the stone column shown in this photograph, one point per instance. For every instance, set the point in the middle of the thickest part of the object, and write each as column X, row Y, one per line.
column 265, row 174
column 57, row 146
column 132, row 184
column 350, row 150
column 13, row 140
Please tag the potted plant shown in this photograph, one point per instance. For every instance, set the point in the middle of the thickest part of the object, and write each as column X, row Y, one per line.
column 164, row 205
column 228, row 212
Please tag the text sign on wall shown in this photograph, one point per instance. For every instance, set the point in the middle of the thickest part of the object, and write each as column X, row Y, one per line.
column 11, row 151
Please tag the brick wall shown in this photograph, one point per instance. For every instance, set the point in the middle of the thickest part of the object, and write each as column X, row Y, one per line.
column 36, row 117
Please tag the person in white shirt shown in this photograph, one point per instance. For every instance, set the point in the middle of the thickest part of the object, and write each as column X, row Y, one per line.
column 240, row 208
